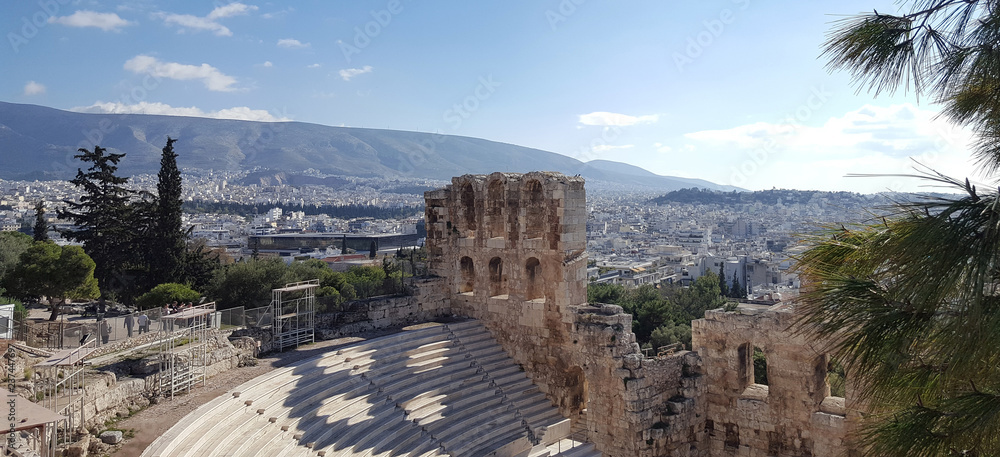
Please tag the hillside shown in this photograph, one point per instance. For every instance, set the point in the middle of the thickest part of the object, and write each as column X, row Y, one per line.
column 39, row 143
column 774, row 197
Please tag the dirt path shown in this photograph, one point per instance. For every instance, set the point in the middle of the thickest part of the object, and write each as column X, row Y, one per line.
column 155, row 420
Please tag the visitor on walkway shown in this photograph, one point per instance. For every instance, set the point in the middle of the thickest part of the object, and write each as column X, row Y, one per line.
column 129, row 323
column 143, row 323
column 104, row 329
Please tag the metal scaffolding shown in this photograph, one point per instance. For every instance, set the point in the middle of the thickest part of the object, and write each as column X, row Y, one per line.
column 183, row 348
column 294, row 311
column 64, row 390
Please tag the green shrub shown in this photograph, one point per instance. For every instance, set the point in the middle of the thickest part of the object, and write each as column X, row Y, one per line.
column 167, row 293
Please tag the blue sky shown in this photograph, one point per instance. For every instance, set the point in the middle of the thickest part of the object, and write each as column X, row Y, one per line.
column 733, row 91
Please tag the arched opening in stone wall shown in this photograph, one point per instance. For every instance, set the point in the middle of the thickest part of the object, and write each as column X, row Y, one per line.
column 836, row 378
column 533, row 279
column 534, row 224
column 759, row 366
column 467, row 282
column 495, row 202
column 468, row 197
column 576, row 395
column 496, row 278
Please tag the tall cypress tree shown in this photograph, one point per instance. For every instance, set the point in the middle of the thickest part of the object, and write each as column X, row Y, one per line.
column 736, row 290
column 102, row 216
column 41, row 229
column 723, row 285
column 168, row 244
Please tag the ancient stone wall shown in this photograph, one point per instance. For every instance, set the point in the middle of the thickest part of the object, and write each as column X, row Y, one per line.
column 425, row 301
column 793, row 415
column 510, row 248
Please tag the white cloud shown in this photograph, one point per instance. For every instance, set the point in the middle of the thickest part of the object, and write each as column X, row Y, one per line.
column 292, row 43
column 187, row 21
column 276, row 14
column 610, row 147
column 213, row 79
column 267, row 64
column 605, row 118
column 242, row 113
column 315, row 65
column 208, row 23
column 33, row 88
column 896, row 131
column 869, row 140
column 108, row 22
column 232, row 9
column 349, row 73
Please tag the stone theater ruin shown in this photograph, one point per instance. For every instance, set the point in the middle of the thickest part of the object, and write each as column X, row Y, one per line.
column 507, row 252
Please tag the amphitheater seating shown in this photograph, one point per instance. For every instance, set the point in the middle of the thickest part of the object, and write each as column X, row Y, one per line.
column 446, row 389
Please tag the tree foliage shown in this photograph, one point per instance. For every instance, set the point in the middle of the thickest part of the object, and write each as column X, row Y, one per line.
column 662, row 316
column 911, row 302
column 167, row 293
column 249, row 283
column 136, row 238
column 40, row 231
column 57, row 272
column 12, row 245
column 723, row 285
column 946, row 49
column 169, row 240
column 103, row 216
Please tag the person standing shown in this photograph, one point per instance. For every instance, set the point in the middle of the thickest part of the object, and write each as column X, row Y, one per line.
column 143, row 323
column 129, row 323
column 104, row 329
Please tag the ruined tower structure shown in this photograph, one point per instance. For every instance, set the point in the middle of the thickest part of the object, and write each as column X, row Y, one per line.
column 794, row 413
column 509, row 250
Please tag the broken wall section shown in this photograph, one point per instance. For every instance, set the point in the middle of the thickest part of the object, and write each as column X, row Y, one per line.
column 793, row 414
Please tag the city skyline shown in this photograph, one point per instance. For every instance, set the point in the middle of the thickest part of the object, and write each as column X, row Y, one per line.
column 734, row 92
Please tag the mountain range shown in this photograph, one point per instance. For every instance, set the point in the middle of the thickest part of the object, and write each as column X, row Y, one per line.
column 38, row 142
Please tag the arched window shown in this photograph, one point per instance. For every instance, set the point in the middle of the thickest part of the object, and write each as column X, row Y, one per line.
column 495, row 202
column 496, row 277
column 469, row 208
column 468, row 281
column 533, row 279
column 534, row 210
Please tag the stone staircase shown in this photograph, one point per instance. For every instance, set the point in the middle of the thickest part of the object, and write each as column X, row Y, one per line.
column 447, row 389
